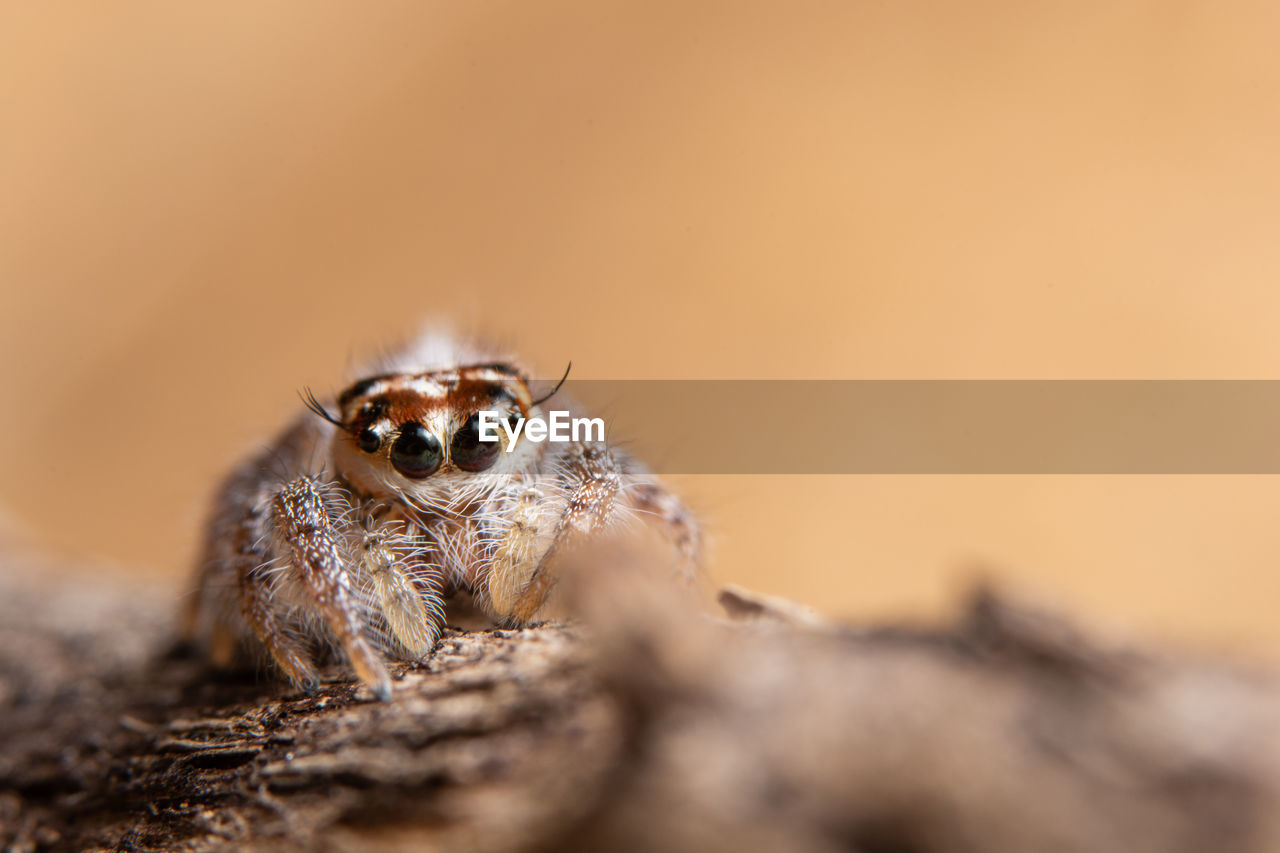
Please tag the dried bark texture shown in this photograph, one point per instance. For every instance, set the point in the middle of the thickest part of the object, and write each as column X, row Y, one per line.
column 646, row 726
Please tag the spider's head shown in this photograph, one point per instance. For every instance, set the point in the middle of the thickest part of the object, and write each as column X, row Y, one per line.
column 418, row 434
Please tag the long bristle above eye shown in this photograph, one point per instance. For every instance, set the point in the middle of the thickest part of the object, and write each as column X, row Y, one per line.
column 544, row 398
column 309, row 399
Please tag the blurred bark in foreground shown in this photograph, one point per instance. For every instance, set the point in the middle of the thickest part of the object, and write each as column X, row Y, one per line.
column 647, row 727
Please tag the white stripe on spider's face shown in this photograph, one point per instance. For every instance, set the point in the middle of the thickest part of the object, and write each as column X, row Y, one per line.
column 378, row 411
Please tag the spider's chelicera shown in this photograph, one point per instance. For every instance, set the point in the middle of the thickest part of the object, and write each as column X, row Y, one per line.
column 427, row 476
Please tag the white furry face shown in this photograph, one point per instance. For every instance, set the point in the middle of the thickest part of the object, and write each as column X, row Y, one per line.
column 415, row 436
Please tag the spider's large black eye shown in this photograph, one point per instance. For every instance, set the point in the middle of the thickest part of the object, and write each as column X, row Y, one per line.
column 468, row 452
column 416, row 452
column 368, row 440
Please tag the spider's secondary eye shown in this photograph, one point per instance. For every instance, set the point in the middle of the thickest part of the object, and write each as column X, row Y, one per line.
column 368, row 440
column 416, row 452
column 467, row 450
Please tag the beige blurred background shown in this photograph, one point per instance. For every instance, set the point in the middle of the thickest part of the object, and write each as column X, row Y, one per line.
column 204, row 207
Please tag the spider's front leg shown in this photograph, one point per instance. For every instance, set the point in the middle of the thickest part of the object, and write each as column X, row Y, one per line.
column 305, row 527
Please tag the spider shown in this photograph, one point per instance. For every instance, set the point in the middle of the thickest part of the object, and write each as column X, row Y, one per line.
column 354, row 526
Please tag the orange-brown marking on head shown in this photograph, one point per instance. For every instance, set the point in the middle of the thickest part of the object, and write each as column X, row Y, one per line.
column 406, row 397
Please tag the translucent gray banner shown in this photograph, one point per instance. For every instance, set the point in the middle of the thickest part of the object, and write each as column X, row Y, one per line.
column 940, row 427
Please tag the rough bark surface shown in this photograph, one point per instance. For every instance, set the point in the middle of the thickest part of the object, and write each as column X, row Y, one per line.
column 645, row 726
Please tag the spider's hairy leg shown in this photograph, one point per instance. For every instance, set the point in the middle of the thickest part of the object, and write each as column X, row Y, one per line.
column 209, row 616
column 234, row 593
column 671, row 520
column 212, row 614
column 592, row 481
column 288, row 653
column 303, row 523
column 409, row 597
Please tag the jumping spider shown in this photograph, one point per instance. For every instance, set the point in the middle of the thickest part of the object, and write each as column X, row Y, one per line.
column 353, row 527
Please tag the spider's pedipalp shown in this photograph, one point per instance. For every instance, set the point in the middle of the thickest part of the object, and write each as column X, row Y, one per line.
column 303, row 523
column 590, row 480
column 411, row 602
column 522, row 537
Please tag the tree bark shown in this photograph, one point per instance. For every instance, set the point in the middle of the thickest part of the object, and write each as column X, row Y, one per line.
column 644, row 725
